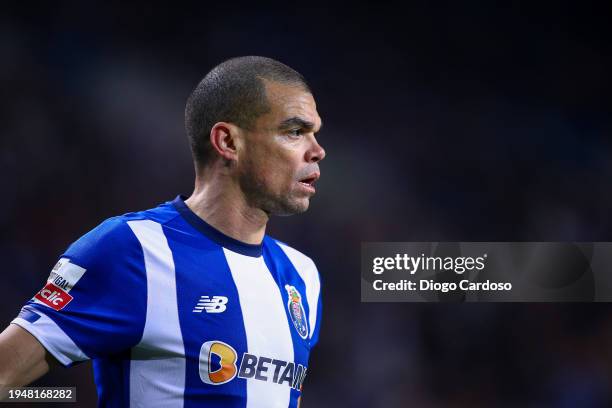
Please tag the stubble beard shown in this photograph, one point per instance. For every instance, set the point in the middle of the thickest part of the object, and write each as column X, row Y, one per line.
column 258, row 195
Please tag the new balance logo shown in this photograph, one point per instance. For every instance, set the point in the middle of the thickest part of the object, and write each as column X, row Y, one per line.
column 216, row 304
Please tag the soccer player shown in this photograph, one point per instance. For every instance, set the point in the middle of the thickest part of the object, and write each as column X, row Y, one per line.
column 190, row 303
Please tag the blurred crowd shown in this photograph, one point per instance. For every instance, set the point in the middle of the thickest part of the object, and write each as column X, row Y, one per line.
column 461, row 123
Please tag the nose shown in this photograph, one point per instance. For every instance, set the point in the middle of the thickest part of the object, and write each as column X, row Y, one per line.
column 315, row 153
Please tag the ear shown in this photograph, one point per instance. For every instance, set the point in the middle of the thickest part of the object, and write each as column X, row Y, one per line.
column 225, row 139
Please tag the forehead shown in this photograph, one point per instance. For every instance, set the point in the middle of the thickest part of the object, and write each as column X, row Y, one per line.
column 287, row 101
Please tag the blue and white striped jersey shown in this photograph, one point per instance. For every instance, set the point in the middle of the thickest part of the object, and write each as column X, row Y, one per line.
column 174, row 313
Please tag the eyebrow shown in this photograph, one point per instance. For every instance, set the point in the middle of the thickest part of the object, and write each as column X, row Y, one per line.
column 296, row 121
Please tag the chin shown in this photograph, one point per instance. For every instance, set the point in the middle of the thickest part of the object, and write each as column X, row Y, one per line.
column 292, row 208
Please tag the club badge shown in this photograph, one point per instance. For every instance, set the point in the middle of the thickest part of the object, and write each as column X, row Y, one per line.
column 296, row 311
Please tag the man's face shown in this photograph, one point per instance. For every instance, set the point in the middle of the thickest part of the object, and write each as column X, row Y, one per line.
column 279, row 160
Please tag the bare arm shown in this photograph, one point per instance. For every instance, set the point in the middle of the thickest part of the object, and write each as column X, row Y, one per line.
column 22, row 359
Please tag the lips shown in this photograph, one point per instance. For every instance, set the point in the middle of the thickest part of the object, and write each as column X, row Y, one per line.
column 310, row 179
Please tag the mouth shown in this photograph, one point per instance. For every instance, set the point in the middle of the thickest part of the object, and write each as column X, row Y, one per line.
column 309, row 181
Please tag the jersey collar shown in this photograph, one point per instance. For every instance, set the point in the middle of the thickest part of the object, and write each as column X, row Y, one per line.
column 214, row 234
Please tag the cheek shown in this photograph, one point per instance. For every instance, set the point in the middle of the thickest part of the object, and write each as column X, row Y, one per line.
column 274, row 167
column 280, row 176
column 280, row 166
column 281, row 181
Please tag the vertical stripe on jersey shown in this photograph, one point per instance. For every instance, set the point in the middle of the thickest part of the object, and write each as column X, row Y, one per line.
column 285, row 273
column 265, row 324
column 157, row 372
column 307, row 270
column 202, row 270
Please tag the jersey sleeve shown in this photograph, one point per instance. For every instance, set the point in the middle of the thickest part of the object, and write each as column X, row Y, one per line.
column 94, row 301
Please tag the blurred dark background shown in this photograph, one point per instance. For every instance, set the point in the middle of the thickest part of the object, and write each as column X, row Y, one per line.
column 455, row 121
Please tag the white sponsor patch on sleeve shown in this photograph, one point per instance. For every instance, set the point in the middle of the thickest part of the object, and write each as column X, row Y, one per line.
column 62, row 279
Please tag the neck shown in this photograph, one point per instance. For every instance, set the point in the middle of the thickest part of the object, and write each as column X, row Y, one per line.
column 221, row 203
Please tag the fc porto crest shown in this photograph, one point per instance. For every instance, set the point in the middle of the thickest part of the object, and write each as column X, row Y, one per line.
column 296, row 311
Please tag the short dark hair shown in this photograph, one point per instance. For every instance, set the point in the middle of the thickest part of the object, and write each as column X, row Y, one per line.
column 233, row 91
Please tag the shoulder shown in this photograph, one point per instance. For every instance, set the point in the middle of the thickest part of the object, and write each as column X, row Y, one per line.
column 294, row 254
column 117, row 235
column 110, row 235
column 304, row 265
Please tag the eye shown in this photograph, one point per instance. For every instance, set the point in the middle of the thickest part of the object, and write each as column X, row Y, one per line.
column 295, row 133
